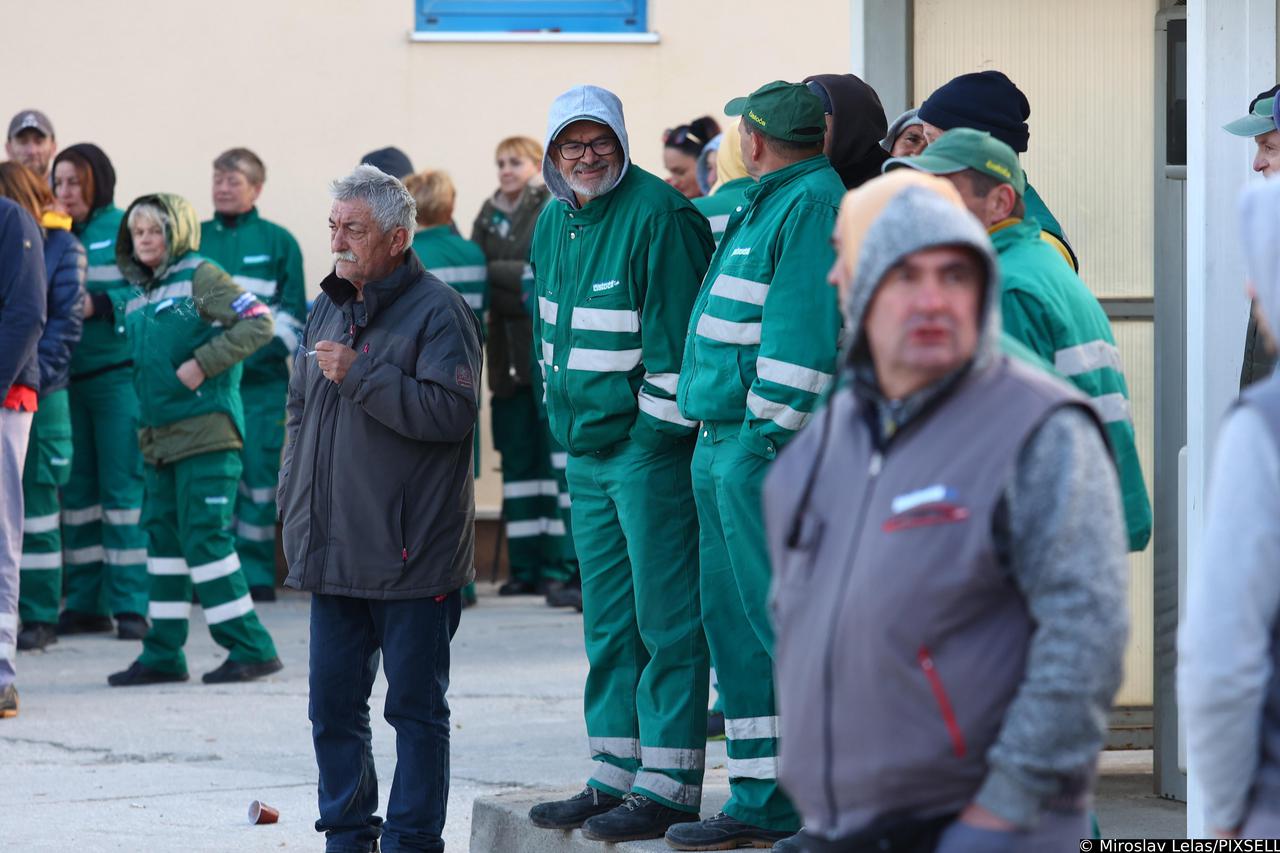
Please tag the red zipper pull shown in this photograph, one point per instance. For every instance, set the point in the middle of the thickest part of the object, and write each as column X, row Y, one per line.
column 404, row 553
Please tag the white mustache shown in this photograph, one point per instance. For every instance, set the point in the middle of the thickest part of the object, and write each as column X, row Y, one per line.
column 348, row 256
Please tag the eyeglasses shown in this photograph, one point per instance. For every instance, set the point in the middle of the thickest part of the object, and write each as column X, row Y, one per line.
column 603, row 146
column 676, row 136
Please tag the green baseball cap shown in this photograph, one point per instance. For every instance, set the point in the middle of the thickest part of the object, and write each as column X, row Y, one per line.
column 1260, row 118
column 965, row 148
column 783, row 110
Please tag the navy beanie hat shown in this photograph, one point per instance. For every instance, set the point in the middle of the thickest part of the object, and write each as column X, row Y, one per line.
column 984, row 100
column 391, row 160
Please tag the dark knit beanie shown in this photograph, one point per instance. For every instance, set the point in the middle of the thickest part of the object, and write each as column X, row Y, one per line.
column 390, row 160
column 985, row 100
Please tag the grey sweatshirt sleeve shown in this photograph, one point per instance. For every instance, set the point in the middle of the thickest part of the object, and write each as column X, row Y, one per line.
column 1065, row 545
column 1224, row 661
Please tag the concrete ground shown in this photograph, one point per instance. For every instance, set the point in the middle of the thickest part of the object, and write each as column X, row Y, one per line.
column 89, row 768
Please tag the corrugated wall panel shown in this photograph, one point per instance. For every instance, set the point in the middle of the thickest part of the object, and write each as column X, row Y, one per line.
column 1087, row 69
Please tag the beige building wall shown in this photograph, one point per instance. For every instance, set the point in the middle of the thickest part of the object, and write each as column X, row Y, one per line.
column 311, row 85
column 1087, row 68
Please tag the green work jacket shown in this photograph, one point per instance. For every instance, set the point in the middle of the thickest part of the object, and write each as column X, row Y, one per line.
column 615, row 282
column 264, row 259
column 1046, row 307
column 763, row 338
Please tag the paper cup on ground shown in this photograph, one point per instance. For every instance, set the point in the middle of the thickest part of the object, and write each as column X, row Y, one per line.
column 260, row 812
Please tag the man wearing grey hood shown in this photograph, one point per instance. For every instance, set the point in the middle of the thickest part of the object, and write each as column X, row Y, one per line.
column 949, row 560
column 617, row 258
column 1229, row 645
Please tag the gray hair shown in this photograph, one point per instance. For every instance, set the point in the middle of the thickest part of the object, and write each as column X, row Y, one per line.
column 392, row 205
column 150, row 211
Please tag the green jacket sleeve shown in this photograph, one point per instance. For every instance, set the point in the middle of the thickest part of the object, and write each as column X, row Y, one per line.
column 246, row 322
column 799, row 328
column 679, row 252
column 289, row 305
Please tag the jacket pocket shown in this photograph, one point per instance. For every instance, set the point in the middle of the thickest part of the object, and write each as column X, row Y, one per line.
column 925, row 659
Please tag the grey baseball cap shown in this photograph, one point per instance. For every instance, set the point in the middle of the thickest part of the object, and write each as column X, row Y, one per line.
column 901, row 123
column 1259, row 120
column 30, row 120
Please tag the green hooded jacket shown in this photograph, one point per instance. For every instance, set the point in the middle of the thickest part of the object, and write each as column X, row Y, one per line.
column 103, row 344
column 188, row 308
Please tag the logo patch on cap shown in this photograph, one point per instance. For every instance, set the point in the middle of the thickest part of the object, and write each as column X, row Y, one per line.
column 1000, row 169
column 751, row 114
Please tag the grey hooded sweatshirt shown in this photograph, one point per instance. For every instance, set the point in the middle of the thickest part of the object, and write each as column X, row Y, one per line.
column 1229, row 643
column 949, row 574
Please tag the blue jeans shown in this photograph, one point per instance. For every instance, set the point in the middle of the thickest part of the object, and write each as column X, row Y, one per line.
column 413, row 636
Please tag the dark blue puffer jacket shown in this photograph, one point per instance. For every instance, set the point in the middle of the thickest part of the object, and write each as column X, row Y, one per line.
column 23, row 298
column 66, row 266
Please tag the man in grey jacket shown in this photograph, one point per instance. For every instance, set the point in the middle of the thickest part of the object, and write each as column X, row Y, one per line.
column 377, row 503
column 949, row 559
column 1228, row 647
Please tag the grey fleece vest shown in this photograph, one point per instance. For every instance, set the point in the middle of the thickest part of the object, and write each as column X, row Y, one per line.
column 901, row 638
column 1264, row 398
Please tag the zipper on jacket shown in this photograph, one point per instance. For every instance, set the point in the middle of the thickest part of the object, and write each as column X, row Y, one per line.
column 404, row 538
column 944, row 702
column 828, row 666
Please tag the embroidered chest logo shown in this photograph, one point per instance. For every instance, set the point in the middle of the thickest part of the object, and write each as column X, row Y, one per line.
column 932, row 505
column 256, row 259
column 602, row 286
column 740, row 253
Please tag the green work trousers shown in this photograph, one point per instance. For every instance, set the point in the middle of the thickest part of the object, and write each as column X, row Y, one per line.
column 646, row 694
column 264, row 417
column 727, row 481
column 531, row 491
column 47, row 467
column 190, row 541
column 105, row 557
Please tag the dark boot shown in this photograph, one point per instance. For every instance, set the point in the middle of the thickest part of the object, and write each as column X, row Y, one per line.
column 562, row 594
column 131, row 626
column 721, row 832
column 34, row 636
column 792, row 844
column 232, row 671
column 139, row 674
column 570, row 813
column 515, row 586
column 75, row 622
column 262, row 593
column 636, row 819
column 8, row 702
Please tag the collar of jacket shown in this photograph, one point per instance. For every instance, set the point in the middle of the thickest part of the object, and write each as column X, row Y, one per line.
column 378, row 295
column 774, row 180
column 1009, row 231
column 598, row 208
column 239, row 219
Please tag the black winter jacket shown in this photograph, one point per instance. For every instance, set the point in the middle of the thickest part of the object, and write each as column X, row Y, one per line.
column 66, row 267
column 376, row 492
column 23, row 297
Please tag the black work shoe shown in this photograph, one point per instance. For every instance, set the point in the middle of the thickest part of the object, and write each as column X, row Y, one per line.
column 561, row 594
column 139, row 673
column 75, row 622
column 239, row 671
column 131, row 626
column 262, row 593
column 715, row 725
column 34, row 636
column 721, row 832
column 570, row 813
column 636, row 819
column 8, row 702
column 517, row 587
column 790, row 844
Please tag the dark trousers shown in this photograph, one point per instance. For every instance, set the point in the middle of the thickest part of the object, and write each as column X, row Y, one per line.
column 413, row 637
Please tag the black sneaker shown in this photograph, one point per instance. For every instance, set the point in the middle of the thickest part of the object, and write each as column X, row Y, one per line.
column 721, row 832
column 562, row 594
column 8, row 702
column 34, row 636
column 75, row 622
column 232, row 671
column 131, row 626
column 715, row 725
column 262, row 593
column 570, row 813
column 517, row 587
column 636, row 819
column 139, row 674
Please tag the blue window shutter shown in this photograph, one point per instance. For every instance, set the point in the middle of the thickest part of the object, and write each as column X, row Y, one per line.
column 569, row 16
